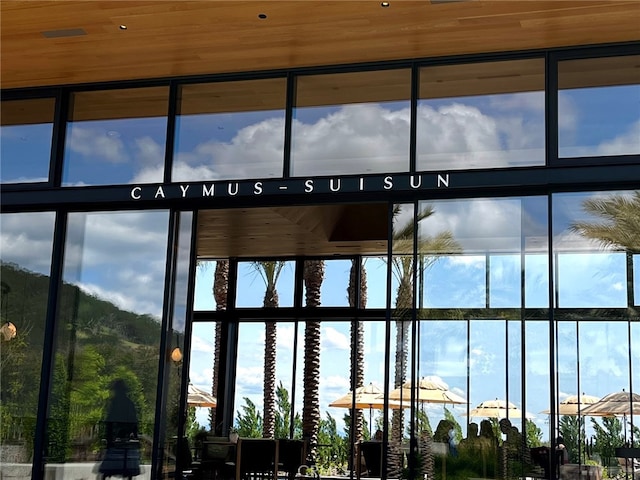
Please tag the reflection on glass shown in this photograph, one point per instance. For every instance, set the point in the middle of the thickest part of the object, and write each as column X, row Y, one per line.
column 445, row 363
column 486, row 268
column 230, row 130
column 403, row 267
column 636, row 279
column 351, row 123
column 108, row 328
column 26, row 127
column 265, row 283
column 25, row 242
column 203, row 361
column 599, row 107
column 537, row 380
column 376, row 275
column 116, row 137
column 591, row 233
column 334, row 285
column 173, row 384
column 212, row 284
column 481, row 115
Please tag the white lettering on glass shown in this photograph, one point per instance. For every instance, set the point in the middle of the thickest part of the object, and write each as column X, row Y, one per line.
column 443, row 181
column 388, row 183
column 160, row 192
column 257, row 188
column 135, row 193
column 334, row 188
column 208, row 192
column 308, row 186
column 184, row 189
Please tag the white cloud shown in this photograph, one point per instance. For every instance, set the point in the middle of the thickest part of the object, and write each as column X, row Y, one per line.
column 333, row 339
column 95, row 143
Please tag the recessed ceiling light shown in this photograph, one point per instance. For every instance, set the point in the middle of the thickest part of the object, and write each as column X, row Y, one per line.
column 384, row 4
column 123, row 27
column 262, row 16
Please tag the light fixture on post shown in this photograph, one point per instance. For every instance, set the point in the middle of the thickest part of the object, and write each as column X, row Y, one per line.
column 176, row 355
column 8, row 331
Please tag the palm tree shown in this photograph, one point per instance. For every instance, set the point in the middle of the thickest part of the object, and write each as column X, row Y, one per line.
column 403, row 266
column 313, row 275
column 620, row 227
column 220, row 289
column 357, row 337
column 269, row 270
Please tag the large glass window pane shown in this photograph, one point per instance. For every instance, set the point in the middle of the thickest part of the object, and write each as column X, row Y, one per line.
column 230, row 130
column 265, row 283
column 333, row 290
column 202, row 365
column 537, row 382
column 25, row 255
column 466, row 264
column 351, row 123
column 591, row 233
column 174, row 365
column 116, row 137
column 26, row 127
column 481, row 115
column 107, row 341
column 599, row 107
column 442, row 365
column 403, row 266
column 212, row 285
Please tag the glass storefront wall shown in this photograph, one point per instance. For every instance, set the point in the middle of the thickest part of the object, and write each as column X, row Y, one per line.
column 481, row 115
column 25, row 150
column 116, row 137
column 599, row 107
column 26, row 242
column 230, row 130
column 102, row 397
column 349, row 123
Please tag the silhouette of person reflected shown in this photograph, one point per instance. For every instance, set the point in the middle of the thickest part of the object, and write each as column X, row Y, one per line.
column 122, row 456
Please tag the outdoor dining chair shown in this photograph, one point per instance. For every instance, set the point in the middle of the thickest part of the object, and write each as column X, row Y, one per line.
column 256, row 459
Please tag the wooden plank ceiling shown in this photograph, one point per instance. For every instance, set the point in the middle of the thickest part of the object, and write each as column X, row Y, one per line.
column 56, row 42
column 299, row 230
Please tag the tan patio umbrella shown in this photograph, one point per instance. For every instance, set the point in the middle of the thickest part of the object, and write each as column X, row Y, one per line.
column 574, row 405
column 431, row 389
column 619, row 403
column 368, row 396
column 496, row 409
column 200, row 398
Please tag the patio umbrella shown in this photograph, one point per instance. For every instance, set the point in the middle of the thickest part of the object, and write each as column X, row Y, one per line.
column 574, row 405
column 496, row 409
column 431, row 389
column 619, row 403
column 368, row 396
column 200, row 398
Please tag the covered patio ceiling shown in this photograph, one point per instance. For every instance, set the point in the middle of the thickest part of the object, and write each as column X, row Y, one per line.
column 69, row 42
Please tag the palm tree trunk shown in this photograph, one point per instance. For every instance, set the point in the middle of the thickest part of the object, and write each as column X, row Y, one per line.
column 404, row 301
column 269, row 394
column 357, row 339
column 220, row 288
column 313, row 277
